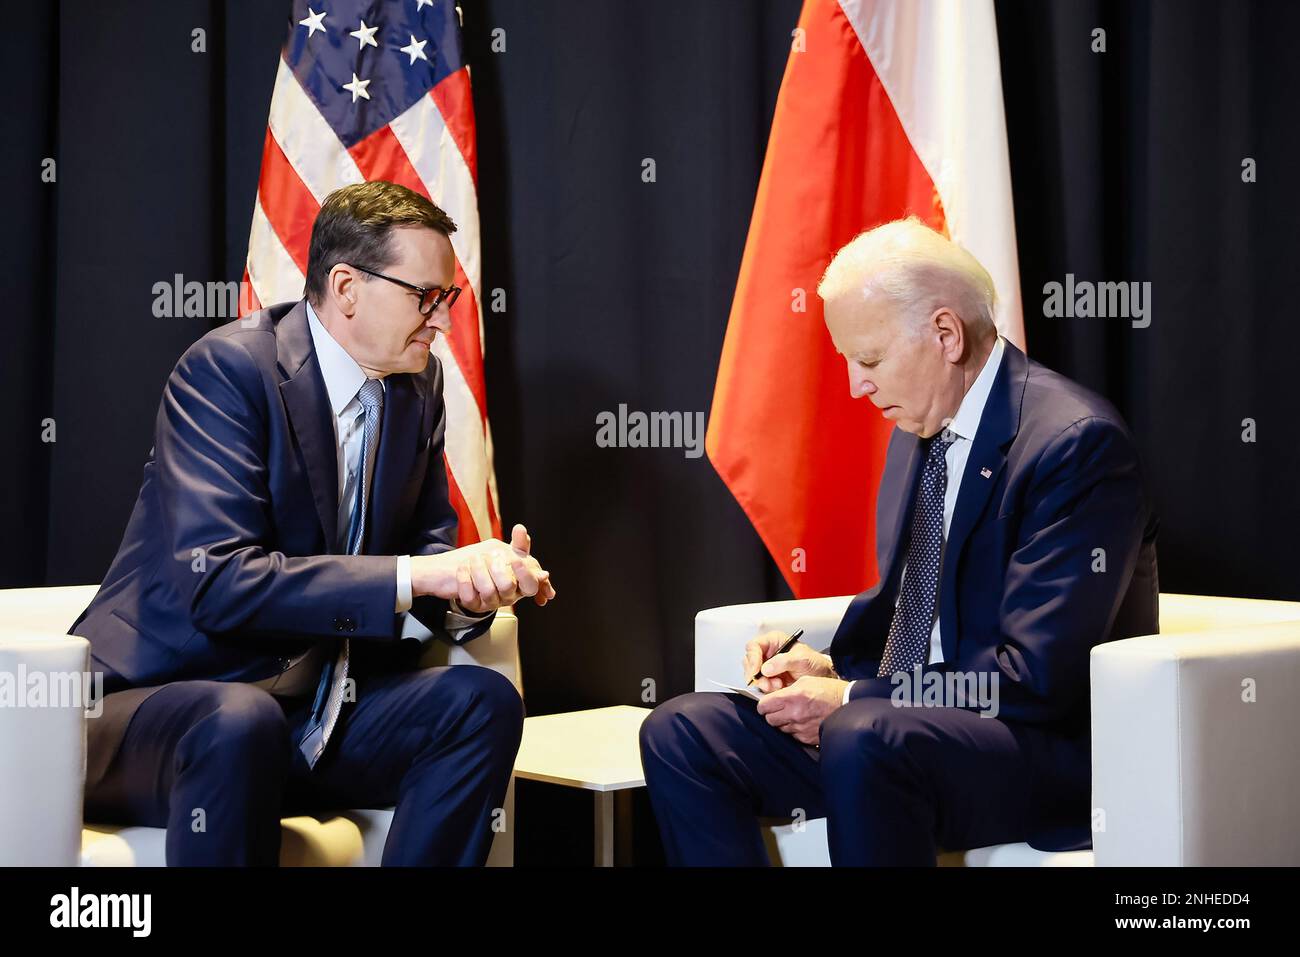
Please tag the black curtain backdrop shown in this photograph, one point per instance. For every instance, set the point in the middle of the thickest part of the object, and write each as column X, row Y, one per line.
column 1126, row 166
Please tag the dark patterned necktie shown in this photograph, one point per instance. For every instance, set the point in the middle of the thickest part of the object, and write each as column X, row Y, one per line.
column 333, row 679
column 909, row 632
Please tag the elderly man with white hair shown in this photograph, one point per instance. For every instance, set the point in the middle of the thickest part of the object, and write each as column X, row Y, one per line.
column 1013, row 535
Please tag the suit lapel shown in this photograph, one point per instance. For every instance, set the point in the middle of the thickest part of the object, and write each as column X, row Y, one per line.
column 988, row 457
column 894, row 522
column 310, row 416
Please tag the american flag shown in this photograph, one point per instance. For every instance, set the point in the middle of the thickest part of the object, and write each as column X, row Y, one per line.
column 380, row 91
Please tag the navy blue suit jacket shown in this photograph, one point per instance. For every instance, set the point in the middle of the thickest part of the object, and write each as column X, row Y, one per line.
column 1018, row 595
column 229, row 565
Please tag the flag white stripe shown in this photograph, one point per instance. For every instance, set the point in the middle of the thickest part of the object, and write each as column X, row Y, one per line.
column 274, row 274
column 938, row 62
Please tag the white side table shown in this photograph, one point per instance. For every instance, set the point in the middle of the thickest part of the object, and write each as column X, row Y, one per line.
column 597, row 750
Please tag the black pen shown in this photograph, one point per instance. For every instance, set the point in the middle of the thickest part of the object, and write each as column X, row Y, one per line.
column 789, row 643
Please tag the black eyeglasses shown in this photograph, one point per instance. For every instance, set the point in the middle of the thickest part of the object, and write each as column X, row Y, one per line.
column 430, row 298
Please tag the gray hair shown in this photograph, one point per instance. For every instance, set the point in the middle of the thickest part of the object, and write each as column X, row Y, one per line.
column 918, row 269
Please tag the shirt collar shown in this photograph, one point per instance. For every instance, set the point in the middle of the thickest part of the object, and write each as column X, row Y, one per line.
column 343, row 377
column 967, row 420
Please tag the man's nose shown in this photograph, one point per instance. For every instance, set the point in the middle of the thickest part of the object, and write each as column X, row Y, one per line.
column 859, row 384
column 440, row 319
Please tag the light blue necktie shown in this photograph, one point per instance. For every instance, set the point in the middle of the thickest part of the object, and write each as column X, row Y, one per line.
column 333, row 680
column 909, row 632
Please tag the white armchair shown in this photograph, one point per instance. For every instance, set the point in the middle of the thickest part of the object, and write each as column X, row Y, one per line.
column 43, row 754
column 1193, row 757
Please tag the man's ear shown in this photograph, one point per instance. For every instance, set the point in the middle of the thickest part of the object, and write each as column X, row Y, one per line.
column 952, row 334
column 341, row 287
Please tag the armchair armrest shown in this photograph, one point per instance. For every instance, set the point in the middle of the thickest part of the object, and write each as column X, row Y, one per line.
column 1193, row 753
column 42, row 747
column 1180, row 614
column 498, row 649
column 721, row 633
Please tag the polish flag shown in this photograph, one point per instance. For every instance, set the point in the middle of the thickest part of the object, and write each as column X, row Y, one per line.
column 887, row 109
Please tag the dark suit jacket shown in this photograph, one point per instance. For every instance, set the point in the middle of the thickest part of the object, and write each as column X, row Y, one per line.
column 229, row 566
column 1019, row 596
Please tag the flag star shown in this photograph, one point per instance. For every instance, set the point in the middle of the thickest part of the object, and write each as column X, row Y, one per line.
column 365, row 35
column 313, row 22
column 415, row 50
column 421, row 4
column 357, row 88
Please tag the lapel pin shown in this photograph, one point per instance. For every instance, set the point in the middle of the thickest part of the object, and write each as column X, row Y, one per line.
column 986, row 473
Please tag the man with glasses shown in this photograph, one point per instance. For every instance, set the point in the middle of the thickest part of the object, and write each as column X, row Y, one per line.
column 292, row 531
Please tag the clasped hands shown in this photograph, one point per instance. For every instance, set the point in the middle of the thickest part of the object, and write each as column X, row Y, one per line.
column 484, row 576
column 801, row 686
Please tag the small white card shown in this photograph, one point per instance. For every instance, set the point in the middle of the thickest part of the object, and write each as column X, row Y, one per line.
column 750, row 690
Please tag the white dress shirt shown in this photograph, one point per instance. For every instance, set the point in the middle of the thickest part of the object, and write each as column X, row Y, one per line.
column 963, row 427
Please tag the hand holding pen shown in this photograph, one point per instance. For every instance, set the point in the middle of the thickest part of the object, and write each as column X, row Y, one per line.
column 785, row 647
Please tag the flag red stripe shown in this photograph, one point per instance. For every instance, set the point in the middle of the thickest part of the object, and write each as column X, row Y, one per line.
column 380, row 156
column 800, row 456
column 464, row 340
column 455, row 102
column 288, row 204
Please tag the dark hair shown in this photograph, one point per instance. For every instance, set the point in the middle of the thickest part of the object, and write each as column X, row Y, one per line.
column 355, row 226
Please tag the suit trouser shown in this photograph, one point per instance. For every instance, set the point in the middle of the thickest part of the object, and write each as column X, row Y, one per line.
column 896, row 785
column 218, row 764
